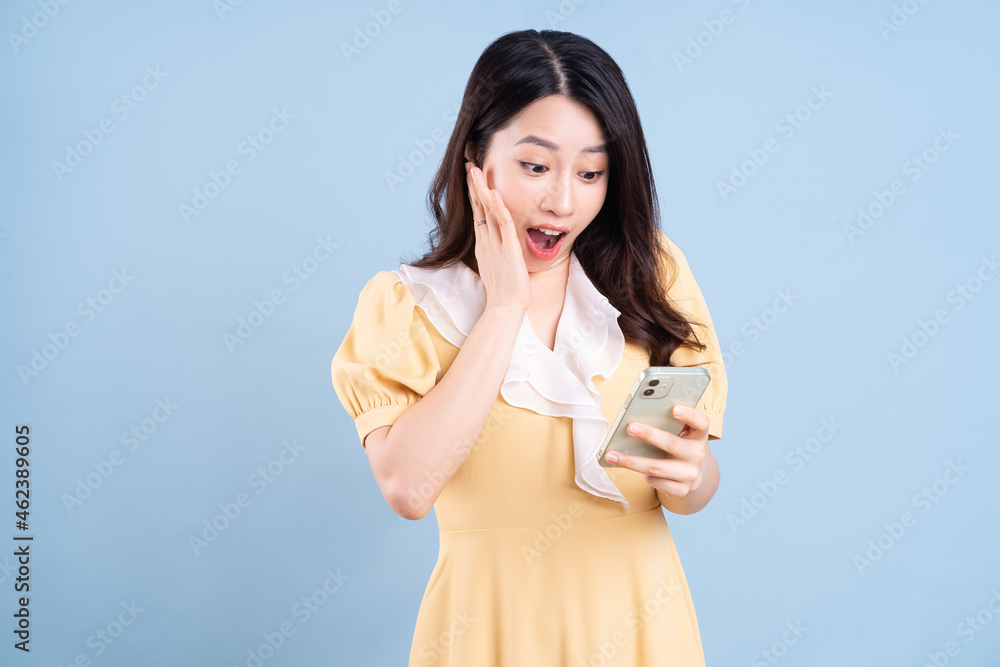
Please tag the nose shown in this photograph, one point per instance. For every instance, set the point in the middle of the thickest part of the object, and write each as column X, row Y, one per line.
column 559, row 196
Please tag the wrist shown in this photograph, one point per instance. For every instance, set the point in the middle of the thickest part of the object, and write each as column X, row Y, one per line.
column 515, row 313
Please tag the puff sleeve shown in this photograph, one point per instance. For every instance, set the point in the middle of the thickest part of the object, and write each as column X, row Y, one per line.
column 685, row 295
column 387, row 360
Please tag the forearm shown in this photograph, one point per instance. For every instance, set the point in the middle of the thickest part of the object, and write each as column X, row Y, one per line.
column 429, row 442
column 699, row 496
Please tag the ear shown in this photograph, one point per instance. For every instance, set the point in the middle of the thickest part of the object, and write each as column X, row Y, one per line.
column 471, row 154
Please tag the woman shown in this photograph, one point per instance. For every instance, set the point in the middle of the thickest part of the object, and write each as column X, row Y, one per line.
column 483, row 376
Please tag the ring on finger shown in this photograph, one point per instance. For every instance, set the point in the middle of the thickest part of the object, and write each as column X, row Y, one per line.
column 480, row 222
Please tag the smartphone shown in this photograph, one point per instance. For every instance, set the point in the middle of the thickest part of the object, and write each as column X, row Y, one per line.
column 652, row 399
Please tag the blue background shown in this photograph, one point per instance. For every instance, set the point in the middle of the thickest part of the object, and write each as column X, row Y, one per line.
column 321, row 179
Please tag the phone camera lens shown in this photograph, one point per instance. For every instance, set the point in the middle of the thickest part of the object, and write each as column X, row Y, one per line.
column 653, row 383
column 648, row 392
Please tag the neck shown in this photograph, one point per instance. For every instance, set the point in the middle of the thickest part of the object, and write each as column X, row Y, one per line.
column 560, row 267
column 550, row 282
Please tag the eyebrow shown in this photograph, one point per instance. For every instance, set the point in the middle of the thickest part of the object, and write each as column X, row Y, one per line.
column 532, row 139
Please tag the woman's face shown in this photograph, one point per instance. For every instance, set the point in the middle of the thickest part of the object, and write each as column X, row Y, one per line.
column 550, row 166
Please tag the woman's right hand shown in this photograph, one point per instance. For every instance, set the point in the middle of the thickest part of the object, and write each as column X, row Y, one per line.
column 498, row 250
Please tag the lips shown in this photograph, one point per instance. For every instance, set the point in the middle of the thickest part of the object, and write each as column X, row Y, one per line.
column 539, row 243
column 544, row 240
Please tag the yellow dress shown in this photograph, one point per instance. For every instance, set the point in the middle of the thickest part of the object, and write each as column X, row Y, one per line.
column 535, row 566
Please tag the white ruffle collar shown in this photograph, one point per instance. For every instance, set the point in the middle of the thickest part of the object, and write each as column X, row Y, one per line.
column 556, row 382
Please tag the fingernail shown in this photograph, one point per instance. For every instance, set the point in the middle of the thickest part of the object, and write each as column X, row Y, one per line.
column 611, row 457
column 633, row 429
column 678, row 411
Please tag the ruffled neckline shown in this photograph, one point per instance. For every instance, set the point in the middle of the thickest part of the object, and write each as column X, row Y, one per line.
column 556, row 382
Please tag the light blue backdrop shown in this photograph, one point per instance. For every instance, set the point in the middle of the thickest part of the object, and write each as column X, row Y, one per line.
column 217, row 160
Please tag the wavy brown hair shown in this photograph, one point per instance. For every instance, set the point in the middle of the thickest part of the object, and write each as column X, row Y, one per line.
column 620, row 250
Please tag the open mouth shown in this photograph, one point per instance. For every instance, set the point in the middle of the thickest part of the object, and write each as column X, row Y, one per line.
column 545, row 240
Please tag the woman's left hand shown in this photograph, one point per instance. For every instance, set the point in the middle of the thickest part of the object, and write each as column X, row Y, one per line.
column 684, row 469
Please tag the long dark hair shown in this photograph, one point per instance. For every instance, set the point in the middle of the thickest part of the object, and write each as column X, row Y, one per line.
column 620, row 250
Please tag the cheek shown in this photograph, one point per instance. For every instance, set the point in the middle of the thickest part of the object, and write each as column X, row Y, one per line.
column 512, row 191
column 596, row 199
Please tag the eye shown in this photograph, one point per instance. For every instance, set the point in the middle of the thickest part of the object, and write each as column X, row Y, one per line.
column 589, row 176
column 529, row 166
